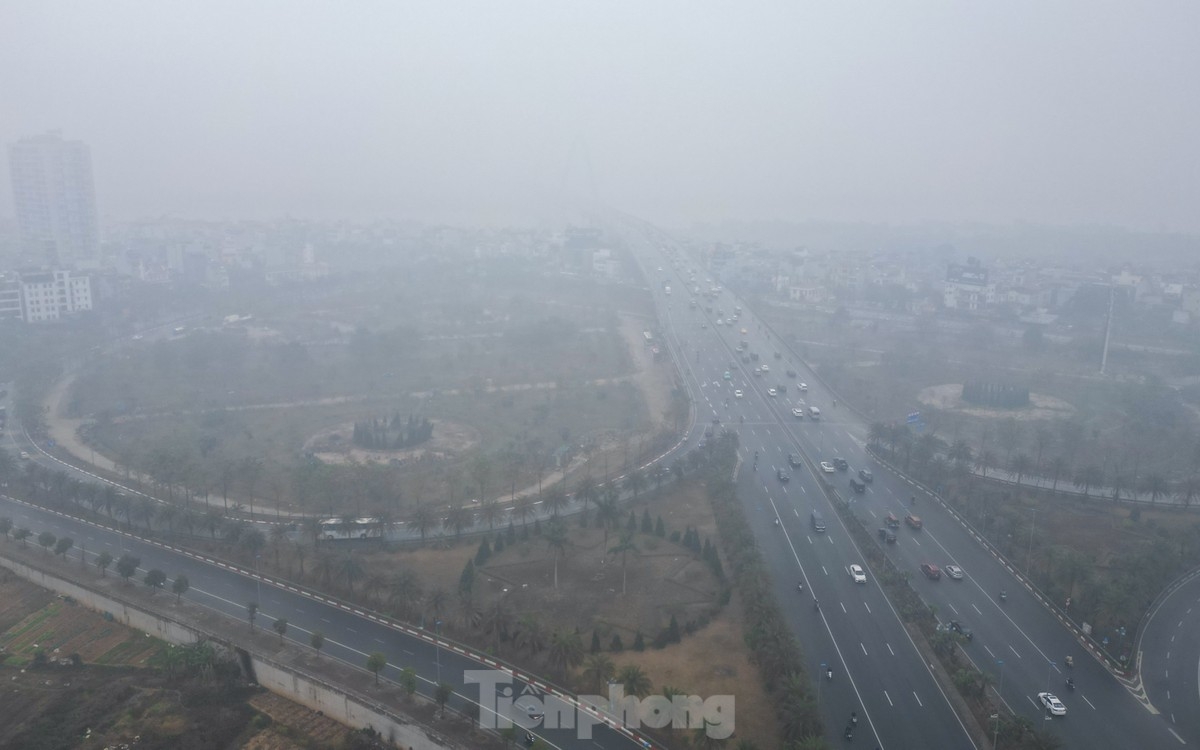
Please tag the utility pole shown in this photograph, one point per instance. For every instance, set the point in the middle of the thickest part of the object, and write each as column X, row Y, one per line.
column 1107, row 329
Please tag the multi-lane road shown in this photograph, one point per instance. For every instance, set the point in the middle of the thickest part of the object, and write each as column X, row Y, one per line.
column 878, row 671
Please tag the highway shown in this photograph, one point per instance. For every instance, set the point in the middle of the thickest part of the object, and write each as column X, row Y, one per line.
column 878, row 670
column 1169, row 657
column 349, row 636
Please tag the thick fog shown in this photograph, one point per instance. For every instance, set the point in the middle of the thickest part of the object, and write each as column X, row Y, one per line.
column 1017, row 111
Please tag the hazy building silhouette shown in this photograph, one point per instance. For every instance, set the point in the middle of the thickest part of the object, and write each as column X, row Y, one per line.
column 55, row 199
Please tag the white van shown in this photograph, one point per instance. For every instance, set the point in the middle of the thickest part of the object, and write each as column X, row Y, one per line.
column 814, row 413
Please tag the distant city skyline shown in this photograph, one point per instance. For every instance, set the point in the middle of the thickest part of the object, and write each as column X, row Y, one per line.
column 54, row 199
column 1068, row 113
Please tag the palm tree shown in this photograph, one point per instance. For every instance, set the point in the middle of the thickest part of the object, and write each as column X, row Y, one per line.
column 1021, row 464
column 495, row 622
column 555, row 500
column 350, row 569
column 458, row 519
column 598, row 669
column 566, row 651
column 985, row 461
column 607, row 515
column 1058, row 466
column 635, row 481
column 555, row 537
column 103, row 560
column 492, row 512
column 1156, row 485
column 1187, row 489
column 624, row 546
column 877, row 433
column 634, row 680
column 1088, row 477
column 523, row 508
column 530, row 633
column 423, row 519
column 280, row 626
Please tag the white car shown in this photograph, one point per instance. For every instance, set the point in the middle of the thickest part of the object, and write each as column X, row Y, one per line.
column 1052, row 704
column 953, row 571
column 772, row 392
column 798, row 413
column 737, row 394
column 766, row 368
column 804, row 387
column 857, row 573
column 827, row 467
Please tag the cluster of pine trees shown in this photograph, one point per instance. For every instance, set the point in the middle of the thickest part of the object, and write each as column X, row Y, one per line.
column 392, row 434
column 995, row 394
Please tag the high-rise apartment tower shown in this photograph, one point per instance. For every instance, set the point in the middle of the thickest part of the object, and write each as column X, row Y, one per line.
column 55, row 199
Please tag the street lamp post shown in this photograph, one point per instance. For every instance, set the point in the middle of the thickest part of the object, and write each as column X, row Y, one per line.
column 437, row 644
column 258, row 579
column 1000, row 695
column 1029, row 555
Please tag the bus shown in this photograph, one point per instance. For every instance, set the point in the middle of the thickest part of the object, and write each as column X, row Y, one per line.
column 354, row 528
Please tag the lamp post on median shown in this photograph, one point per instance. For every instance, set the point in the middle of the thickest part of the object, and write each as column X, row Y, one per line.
column 437, row 644
column 258, row 579
column 1029, row 554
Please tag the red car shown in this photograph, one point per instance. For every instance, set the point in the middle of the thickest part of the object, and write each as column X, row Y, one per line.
column 931, row 571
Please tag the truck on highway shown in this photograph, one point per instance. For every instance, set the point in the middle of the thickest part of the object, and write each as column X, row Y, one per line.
column 814, row 413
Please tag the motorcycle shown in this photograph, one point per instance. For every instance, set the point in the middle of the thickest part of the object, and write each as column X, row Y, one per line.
column 829, row 675
column 1070, row 683
column 800, row 587
column 1003, row 596
column 1069, row 661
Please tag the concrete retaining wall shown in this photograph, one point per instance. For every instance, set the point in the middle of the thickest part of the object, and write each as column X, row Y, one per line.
column 306, row 689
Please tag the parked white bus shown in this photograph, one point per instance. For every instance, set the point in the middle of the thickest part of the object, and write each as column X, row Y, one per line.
column 356, row 528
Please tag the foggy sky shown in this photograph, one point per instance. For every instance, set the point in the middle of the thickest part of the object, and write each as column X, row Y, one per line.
column 1060, row 112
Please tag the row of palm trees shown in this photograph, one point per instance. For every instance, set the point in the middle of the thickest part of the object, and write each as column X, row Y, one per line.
column 938, row 460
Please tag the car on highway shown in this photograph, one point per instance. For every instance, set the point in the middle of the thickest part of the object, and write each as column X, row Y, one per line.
column 772, row 392
column 794, row 460
column 1052, row 704
column 931, row 571
column 954, row 572
column 840, row 464
column 954, row 626
column 744, row 332
column 827, row 467
column 914, row 522
column 728, row 375
column 766, row 367
column 887, row 535
column 737, row 394
column 778, row 355
column 758, row 371
column 24, row 456
column 798, row 413
column 866, row 476
column 892, row 521
column 857, row 574
column 790, row 373
column 804, row 387
column 857, row 486
column 783, row 475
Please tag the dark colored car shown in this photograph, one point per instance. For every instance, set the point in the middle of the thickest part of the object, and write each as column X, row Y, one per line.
column 892, row 521
column 794, row 460
column 931, row 571
column 790, row 373
column 840, row 464
column 955, row 626
column 887, row 535
column 857, row 486
column 783, row 475
column 866, row 476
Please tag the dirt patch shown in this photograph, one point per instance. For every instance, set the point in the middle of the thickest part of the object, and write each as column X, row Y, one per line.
column 59, row 628
column 334, row 446
column 948, row 397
